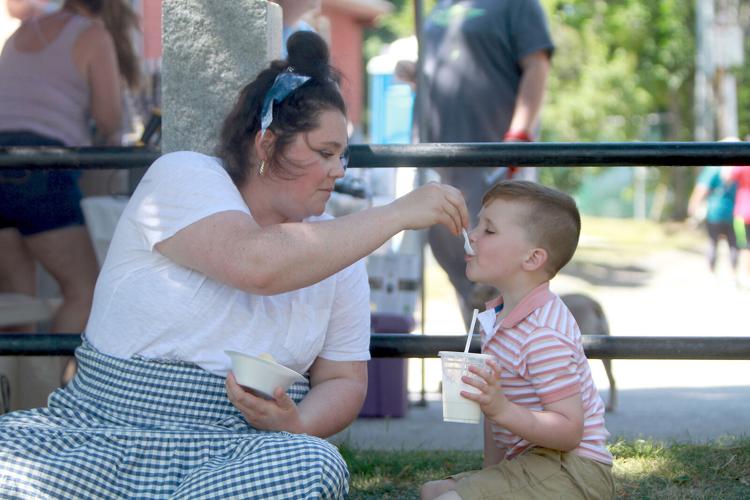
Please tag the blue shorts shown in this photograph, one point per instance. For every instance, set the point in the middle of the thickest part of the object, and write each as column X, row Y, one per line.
column 35, row 201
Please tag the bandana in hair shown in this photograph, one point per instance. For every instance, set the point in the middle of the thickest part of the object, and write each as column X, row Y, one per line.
column 285, row 83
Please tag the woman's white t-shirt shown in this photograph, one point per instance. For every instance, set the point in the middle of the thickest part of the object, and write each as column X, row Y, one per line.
column 149, row 306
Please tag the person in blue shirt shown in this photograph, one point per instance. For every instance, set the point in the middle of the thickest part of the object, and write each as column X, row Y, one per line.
column 293, row 11
column 719, row 199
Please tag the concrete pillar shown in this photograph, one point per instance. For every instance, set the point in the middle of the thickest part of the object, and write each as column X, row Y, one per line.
column 211, row 50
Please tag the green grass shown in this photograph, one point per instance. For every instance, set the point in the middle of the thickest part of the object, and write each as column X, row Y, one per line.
column 604, row 238
column 642, row 469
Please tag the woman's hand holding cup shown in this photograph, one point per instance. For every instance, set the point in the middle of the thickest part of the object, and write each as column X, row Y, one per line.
column 433, row 204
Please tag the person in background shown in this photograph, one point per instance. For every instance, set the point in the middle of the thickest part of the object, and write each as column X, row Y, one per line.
column 544, row 432
column 718, row 197
column 485, row 70
column 26, row 9
column 232, row 252
column 740, row 175
column 293, row 11
column 60, row 74
column 13, row 12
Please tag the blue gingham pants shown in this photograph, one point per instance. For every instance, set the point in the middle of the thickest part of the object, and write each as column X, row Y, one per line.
column 149, row 429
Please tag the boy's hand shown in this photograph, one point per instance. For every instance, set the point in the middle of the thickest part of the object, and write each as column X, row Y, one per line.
column 491, row 398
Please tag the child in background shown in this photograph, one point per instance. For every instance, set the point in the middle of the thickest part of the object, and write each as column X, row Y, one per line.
column 544, row 433
column 719, row 198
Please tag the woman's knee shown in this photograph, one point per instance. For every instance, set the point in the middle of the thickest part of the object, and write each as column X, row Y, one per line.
column 331, row 459
column 311, row 468
column 332, row 474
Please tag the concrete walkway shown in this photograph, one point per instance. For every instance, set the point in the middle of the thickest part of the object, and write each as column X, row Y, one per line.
column 669, row 293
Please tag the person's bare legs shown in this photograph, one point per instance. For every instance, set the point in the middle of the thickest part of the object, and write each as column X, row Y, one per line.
column 29, row 383
column 443, row 489
column 17, row 270
column 68, row 255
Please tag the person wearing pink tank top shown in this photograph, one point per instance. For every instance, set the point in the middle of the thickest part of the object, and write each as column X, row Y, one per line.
column 60, row 85
column 740, row 175
column 544, row 432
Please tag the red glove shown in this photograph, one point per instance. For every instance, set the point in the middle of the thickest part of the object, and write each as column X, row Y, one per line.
column 516, row 136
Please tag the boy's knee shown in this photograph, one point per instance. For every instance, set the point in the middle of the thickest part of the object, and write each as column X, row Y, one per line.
column 434, row 489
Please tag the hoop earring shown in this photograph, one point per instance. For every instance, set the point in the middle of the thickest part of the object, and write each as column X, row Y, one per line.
column 262, row 167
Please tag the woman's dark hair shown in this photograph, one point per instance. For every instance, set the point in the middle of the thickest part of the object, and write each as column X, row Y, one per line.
column 299, row 112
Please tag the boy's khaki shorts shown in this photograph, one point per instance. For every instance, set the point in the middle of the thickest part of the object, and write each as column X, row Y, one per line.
column 539, row 473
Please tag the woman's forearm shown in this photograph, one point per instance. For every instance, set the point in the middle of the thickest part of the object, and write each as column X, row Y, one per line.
column 306, row 248
column 355, row 236
column 331, row 406
column 230, row 247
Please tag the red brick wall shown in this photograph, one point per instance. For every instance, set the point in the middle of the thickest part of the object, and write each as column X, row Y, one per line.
column 151, row 29
column 346, row 55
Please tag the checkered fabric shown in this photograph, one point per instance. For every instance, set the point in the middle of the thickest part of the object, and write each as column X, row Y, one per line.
column 146, row 429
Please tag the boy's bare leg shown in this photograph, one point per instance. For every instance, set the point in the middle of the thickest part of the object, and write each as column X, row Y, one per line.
column 451, row 495
column 442, row 489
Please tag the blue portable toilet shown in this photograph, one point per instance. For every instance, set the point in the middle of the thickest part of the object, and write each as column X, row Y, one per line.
column 391, row 105
column 390, row 100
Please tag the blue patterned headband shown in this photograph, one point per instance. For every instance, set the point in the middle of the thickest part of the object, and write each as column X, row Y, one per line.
column 285, row 83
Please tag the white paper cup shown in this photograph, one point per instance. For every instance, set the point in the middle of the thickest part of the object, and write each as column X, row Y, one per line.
column 457, row 408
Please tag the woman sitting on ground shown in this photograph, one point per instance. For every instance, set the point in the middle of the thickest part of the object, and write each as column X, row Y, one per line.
column 225, row 253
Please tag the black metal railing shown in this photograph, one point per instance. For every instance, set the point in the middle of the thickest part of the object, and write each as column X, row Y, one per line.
column 402, row 345
column 427, row 155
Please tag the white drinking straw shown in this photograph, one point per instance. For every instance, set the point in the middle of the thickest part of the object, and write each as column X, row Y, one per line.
column 471, row 330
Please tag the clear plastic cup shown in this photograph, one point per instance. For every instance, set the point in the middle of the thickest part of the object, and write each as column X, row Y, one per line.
column 457, row 408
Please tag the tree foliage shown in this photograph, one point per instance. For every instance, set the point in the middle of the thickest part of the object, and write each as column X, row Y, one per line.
column 620, row 67
column 398, row 24
column 623, row 71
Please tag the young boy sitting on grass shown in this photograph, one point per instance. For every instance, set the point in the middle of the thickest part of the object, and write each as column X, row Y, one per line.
column 544, row 434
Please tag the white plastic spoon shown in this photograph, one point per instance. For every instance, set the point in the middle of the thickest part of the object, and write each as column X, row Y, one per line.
column 467, row 245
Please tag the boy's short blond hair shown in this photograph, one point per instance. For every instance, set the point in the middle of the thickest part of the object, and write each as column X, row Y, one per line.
column 552, row 220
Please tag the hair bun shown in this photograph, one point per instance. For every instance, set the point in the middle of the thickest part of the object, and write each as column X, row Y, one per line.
column 308, row 54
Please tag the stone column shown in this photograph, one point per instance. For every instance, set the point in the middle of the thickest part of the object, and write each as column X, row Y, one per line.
column 211, row 50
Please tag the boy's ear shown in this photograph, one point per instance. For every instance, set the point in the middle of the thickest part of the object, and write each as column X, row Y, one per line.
column 535, row 260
